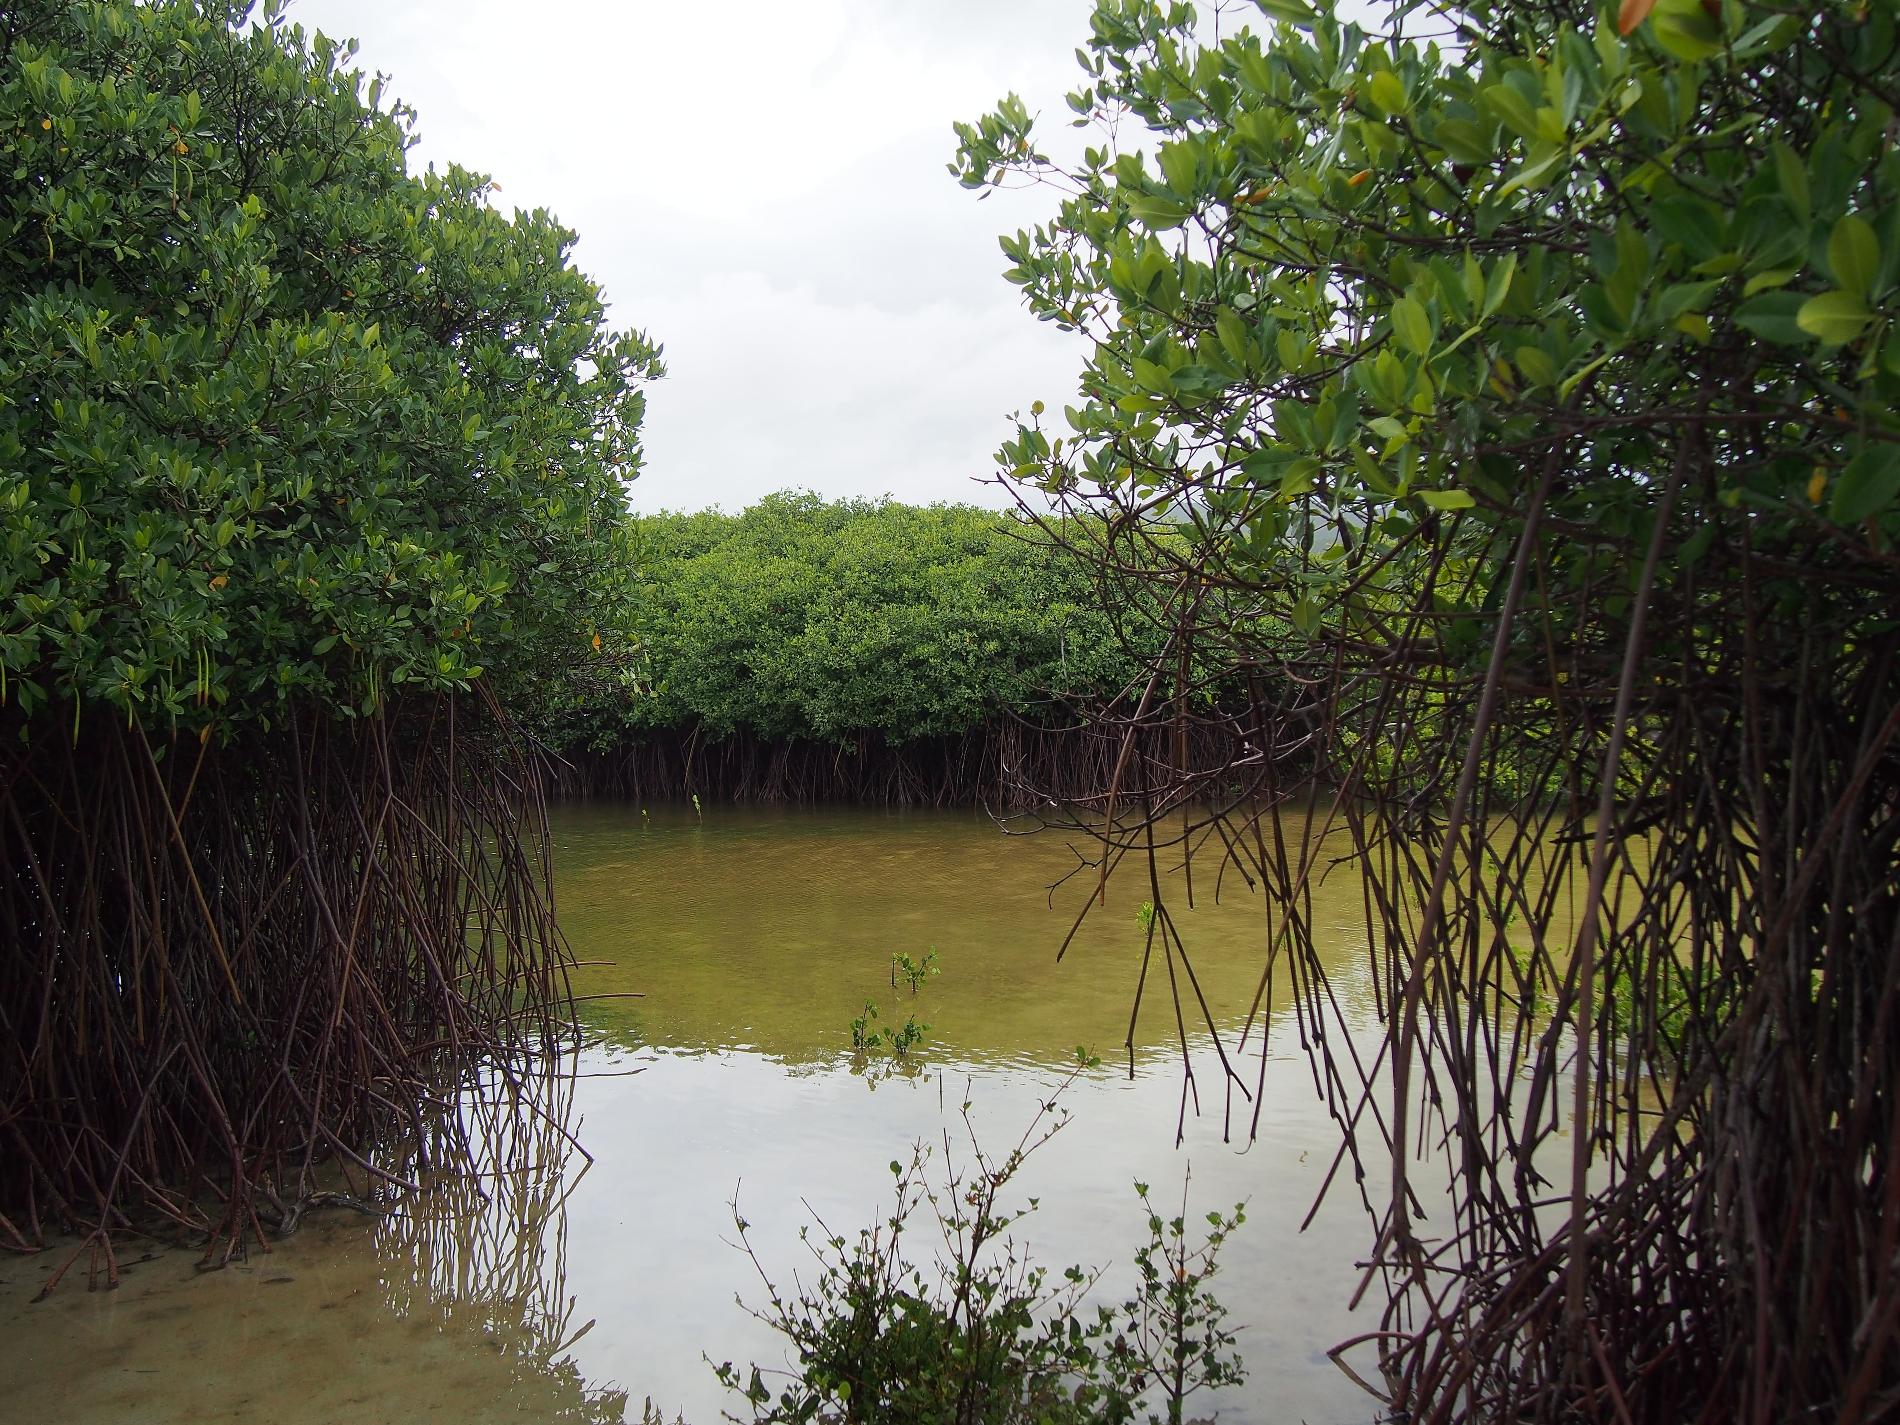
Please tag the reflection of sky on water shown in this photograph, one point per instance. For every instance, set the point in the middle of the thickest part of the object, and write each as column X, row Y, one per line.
column 545, row 1289
column 793, row 1143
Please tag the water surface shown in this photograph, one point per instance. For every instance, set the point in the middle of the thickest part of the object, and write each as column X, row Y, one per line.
column 753, row 939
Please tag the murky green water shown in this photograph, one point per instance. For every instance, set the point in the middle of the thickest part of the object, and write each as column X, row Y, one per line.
column 754, row 938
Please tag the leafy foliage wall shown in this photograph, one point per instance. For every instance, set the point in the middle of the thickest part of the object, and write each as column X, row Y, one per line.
column 282, row 424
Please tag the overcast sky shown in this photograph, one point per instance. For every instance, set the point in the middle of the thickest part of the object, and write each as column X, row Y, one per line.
column 761, row 186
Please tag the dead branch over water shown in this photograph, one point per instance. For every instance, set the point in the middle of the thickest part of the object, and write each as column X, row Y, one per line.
column 1631, row 909
column 233, row 970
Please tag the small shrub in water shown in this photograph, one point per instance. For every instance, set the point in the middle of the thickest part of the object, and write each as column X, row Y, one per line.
column 863, row 1037
column 984, row 1336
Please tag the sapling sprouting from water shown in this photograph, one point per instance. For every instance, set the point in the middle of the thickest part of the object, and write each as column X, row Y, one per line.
column 863, row 1037
column 913, row 972
column 867, row 1037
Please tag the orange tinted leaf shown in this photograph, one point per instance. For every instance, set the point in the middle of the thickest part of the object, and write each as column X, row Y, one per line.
column 1632, row 13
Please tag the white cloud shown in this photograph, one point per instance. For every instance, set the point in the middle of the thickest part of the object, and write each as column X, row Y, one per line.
column 761, row 186
column 843, row 398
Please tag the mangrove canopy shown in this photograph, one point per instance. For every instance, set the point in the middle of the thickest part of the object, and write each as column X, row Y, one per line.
column 870, row 651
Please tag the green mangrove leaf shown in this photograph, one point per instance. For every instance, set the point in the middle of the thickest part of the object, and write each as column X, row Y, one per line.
column 1868, row 485
column 1853, row 254
column 1835, row 317
column 1773, row 317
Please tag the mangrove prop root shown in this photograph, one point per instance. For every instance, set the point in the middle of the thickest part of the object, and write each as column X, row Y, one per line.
column 233, row 972
column 1639, row 982
column 1006, row 765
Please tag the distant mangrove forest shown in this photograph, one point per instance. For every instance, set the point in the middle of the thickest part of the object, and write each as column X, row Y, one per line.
column 806, row 650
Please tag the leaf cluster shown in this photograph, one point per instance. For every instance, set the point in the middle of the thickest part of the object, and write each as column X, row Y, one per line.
column 805, row 619
column 1350, row 285
column 281, row 422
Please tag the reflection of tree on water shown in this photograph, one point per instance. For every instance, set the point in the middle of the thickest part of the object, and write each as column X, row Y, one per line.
column 485, row 1246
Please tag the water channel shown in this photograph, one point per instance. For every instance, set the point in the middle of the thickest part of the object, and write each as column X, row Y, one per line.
column 754, row 937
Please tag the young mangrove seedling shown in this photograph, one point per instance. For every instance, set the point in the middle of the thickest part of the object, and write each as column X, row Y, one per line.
column 863, row 1037
column 909, row 1037
column 866, row 1037
column 913, row 972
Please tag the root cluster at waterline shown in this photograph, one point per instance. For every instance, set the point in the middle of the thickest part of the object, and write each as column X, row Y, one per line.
column 232, row 971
